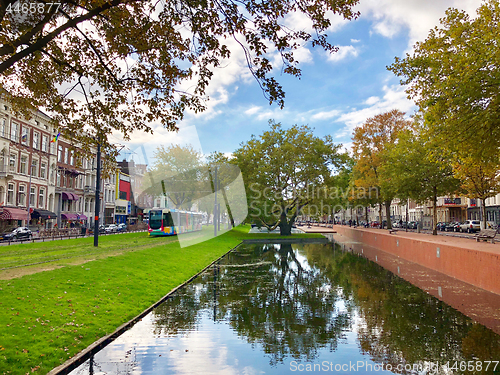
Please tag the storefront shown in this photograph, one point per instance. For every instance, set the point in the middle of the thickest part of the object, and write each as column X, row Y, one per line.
column 73, row 220
column 11, row 217
column 43, row 218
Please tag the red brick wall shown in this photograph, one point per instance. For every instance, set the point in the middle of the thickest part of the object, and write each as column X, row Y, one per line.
column 479, row 268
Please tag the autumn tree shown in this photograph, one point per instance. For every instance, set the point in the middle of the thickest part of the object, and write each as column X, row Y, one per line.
column 418, row 169
column 480, row 178
column 454, row 76
column 119, row 65
column 370, row 141
column 282, row 169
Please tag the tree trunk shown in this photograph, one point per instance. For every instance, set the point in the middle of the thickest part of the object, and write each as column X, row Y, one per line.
column 388, row 214
column 380, row 215
column 483, row 212
column 285, row 224
column 228, row 208
column 434, row 212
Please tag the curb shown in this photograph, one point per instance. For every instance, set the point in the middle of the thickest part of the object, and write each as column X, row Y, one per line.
column 93, row 348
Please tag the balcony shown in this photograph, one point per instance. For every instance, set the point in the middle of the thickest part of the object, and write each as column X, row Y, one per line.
column 6, row 171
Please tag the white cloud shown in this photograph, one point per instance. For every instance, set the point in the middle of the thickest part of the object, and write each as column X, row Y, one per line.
column 394, row 98
column 325, row 115
column 372, row 100
column 143, row 145
column 419, row 16
column 355, row 40
column 253, row 110
column 343, row 53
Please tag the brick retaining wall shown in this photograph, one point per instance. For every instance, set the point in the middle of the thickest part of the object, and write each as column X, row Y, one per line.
column 477, row 267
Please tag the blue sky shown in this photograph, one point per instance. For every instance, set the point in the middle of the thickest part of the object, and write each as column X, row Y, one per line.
column 335, row 93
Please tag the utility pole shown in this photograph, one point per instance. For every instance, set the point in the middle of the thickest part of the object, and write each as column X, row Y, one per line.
column 97, row 195
column 216, row 214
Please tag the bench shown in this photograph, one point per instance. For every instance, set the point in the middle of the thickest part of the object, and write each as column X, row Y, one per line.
column 486, row 234
column 393, row 231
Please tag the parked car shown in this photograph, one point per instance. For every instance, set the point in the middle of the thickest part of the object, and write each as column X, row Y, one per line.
column 122, row 227
column 456, row 226
column 18, row 234
column 441, row 226
column 470, row 226
column 111, row 228
column 412, row 225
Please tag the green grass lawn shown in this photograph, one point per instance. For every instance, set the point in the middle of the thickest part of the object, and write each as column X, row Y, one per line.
column 48, row 317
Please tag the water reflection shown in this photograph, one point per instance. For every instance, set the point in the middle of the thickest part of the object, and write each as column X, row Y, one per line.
column 271, row 308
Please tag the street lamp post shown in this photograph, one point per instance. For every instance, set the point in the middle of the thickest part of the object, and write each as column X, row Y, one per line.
column 97, row 196
column 29, row 198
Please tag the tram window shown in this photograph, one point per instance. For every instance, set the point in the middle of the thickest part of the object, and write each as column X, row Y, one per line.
column 155, row 219
column 167, row 220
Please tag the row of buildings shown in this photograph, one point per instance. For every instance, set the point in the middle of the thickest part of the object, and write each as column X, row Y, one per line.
column 449, row 209
column 43, row 185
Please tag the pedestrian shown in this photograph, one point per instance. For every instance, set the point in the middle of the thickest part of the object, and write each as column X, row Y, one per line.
column 350, row 222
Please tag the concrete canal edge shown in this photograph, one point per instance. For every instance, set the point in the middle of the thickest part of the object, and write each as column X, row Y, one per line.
column 285, row 240
column 93, row 348
column 477, row 267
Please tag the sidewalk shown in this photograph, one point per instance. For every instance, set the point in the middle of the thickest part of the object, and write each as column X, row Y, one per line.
column 442, row 238
column 476, row 263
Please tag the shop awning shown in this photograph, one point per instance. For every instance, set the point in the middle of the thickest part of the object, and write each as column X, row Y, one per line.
column 43, row 214
column 68, row 196
column 69, row 216
column 83, row 217
column 13, row 214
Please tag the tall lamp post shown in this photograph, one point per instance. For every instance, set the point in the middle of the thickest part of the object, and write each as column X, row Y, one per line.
column 29, row 197
column 97, row 195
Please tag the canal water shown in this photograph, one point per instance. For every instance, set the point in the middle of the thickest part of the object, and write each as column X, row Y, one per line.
column 286, row 308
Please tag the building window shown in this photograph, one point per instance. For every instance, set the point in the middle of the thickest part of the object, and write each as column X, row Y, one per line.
column 58, row 178
column 43, row 170
column 10, row 194
column 22, row 195
column 24, row 164
column 41, row 198
column 66, row 156
column 32, row 201
column 12, row 163
column 13, row 131
column 45, row 143
column 59, row 154
column 36, row 140
column 72, row 161
column 3, row 127
column 34, row 168
column 25, row 135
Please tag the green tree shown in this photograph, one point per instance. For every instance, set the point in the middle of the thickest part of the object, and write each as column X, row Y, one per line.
column 417, row 169
column 454, row 76
column 282, row 168
column 227, row 173
column 369, row 144
column 119, row 65
column 177, row 173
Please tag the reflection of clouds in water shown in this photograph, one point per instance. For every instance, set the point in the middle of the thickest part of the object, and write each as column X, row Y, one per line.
column 213, row 350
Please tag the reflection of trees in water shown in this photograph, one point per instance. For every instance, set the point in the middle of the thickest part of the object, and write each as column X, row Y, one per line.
column 288, row 309
column 403, row 324
column 273, row 299
column 269, row 297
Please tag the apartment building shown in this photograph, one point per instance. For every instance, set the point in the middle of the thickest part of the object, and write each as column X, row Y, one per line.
column 27, row 169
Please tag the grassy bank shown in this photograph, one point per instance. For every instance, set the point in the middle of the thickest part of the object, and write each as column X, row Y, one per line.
column 47, row 317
